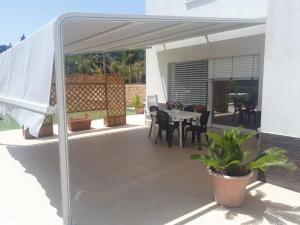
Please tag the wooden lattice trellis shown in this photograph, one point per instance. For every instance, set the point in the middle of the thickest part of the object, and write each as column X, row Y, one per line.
column 83, row 97
column 116, row 100
column 95, row 92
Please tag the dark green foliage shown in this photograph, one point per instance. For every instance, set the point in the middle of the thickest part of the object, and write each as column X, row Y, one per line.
column 225, row 155
column 131, row 64
column 3, row 48
column 137, row 103
column 22, row 38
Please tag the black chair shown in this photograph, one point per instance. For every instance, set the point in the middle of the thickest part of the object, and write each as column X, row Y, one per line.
column 153, row 109
column 169, row 105
column 188, row 108
column 257, row 119
column 250, row 110
column 238, row 104
column 164, row 124
column 198, row 129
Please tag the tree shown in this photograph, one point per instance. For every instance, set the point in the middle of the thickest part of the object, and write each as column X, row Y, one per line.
column 3, row 48
column 22, row 38
column 130, row 64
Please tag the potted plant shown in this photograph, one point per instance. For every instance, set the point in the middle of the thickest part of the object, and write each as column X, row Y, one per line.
column 45, row 131
column 138, row 105
column 79, row 123
column 114, row 120
column 229, row 168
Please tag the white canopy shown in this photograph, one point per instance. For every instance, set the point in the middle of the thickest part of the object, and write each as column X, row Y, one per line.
column 26, row 69
column 94, row 32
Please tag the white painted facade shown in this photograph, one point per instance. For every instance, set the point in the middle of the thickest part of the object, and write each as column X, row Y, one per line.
column 158, row 58
column 279, row 83
column 208, row 8
column 281, row 86
column 239, row 42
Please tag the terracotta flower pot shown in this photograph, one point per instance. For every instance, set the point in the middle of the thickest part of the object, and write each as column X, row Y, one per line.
column 79, row 124
column 45, row 131
column 139, row 110
column 115, row 121
column 229, row 191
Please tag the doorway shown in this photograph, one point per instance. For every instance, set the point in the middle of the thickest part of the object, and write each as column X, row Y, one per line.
column 235, row 103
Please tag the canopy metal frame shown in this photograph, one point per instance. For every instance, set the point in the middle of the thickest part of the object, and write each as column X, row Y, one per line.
column 59, row 53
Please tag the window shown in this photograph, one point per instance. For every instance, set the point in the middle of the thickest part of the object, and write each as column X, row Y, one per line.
column 187, row 82
column 234, row 68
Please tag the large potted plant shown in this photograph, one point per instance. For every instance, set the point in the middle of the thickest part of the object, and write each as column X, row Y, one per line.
column 138, row 105
column 230, row 168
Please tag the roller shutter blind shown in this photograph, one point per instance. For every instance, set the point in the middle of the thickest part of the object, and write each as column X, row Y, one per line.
column 235, row 68
column 187, row 82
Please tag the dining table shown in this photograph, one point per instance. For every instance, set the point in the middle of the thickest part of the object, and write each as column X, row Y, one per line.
column 179, row 116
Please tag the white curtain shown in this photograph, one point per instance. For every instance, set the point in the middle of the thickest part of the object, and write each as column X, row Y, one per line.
column 25, row 74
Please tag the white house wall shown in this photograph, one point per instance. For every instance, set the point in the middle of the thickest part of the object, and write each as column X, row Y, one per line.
column 232, row 43
column 281, row 86
column 208, row 8
column 157, row 59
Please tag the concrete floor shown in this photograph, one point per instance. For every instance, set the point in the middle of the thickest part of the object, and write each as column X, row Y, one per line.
column 120, row 177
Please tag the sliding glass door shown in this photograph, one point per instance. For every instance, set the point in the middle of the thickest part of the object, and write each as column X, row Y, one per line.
column 235, row 103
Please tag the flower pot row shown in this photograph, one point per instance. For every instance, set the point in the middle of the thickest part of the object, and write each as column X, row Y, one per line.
column 75, row 124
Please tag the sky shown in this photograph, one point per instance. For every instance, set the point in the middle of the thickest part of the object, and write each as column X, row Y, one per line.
column 26, row 16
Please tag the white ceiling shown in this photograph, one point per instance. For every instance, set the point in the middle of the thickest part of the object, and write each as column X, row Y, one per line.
column 101, row 32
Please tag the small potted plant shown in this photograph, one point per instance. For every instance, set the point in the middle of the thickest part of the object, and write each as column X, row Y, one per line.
column 79, row 123
column 138, row 105
column 229, row 168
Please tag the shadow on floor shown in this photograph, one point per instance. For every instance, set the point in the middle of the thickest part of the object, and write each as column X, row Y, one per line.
column 273, row 212
column 20, row 141
column 120, row 178
column 123, row 178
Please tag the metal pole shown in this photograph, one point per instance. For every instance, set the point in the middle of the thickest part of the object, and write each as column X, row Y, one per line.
column 62, row 125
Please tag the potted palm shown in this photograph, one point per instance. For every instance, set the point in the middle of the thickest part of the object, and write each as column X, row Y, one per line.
column 230, row 168
column 138, row 105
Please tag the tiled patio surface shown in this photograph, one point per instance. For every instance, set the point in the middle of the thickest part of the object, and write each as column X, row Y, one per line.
column 120, row 177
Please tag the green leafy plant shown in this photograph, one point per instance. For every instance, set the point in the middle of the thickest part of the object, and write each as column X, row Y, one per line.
column 226, row 157
column 137, row 102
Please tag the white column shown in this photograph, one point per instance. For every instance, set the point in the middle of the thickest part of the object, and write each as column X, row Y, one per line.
column 62, row 125
column 281, row 81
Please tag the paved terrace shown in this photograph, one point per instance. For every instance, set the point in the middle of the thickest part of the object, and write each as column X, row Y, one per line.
column 120, row 177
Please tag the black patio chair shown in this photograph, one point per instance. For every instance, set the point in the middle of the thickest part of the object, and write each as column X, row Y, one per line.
column 170, row 105
column 197, row 130
column 188, row 108
column 238, row 105
column 250, row 110
column 257, row 119
column 164, row 124
column 153, row 109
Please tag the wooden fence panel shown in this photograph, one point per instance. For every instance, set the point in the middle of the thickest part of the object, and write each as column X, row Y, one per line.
column 96, row 92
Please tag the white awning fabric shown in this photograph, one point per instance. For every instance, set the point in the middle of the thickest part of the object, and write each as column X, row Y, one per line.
column 25, row 77
column 94, row 32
